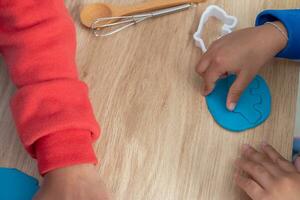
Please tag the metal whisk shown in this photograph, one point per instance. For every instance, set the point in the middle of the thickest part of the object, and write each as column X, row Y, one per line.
column 118, row 24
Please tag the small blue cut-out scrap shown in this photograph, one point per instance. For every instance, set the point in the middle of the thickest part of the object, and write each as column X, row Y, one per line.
column 15, row 185
column 253, row 108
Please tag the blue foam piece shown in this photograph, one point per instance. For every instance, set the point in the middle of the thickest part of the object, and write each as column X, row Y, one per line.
column 296, row 146
column 15, row 185
column 253, row 108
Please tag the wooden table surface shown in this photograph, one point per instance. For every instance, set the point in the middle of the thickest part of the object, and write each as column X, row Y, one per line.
column 158, row 140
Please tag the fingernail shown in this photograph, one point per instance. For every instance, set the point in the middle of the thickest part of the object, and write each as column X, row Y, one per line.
column 232, row 106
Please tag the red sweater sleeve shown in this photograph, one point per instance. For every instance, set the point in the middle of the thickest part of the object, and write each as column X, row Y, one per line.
column 51, row 108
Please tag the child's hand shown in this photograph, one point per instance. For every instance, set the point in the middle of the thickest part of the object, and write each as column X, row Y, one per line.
column 243, row 53
column 78, row 182
column 269, row 175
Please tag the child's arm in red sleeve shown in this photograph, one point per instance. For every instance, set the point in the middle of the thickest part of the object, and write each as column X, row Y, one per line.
column 51, row 108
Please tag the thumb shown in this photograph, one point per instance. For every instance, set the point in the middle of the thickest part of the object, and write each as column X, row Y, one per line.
column 240, row 84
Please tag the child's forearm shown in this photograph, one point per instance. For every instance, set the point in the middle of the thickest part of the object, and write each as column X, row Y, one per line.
column 290, row 19
column 51, row 108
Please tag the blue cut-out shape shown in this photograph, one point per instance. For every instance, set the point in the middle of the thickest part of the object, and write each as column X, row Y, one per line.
column 253, row 108
column 15, row 185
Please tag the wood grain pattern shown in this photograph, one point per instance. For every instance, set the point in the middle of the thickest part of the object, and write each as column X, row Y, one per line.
column 158, row 139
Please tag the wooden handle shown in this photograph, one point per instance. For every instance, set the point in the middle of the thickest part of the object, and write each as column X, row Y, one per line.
column 153, row 5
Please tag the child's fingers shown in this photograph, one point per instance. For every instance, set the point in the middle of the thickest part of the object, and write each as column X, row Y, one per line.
column 277, row 158
column 271, row 152
column 254, row 190
column 210, row 77
column 286, row 165
column 260, row 158
column 203, row 64
column 240, row 84
column 256, row 171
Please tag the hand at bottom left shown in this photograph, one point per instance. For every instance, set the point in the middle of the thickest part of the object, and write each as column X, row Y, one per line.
column 80, row 182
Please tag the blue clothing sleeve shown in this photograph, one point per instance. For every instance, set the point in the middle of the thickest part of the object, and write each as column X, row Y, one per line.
column 291, row 20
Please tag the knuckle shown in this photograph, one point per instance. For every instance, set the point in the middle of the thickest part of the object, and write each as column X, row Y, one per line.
column 248, row 165
column 249, row 185
column 201, row 67
column 252, row 188
column 250, row 153
column 277, row 159
column 218, row 60
column 235, row 92
column 258, row 169
column 259, row 158
column 265, row 162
